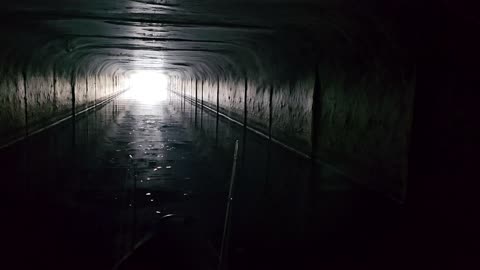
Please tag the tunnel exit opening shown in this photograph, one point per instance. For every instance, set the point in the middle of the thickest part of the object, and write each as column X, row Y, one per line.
column 148, row 87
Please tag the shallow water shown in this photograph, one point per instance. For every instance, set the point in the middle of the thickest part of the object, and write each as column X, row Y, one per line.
column 80, row 195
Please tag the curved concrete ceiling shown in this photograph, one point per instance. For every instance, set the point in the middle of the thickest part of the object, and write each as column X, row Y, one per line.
column 199, row 38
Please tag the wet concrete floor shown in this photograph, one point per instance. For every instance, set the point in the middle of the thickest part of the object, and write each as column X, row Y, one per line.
column 80, row 195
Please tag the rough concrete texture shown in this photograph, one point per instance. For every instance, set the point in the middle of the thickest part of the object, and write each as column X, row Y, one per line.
column 258, row 102
column 231, row 97
column 292, row 112
column 63, row 90
column 363, row 128
column 40, row 97
column 81, row 99
column 355, row 114
column 12, row 106
column 291, row 105
column 48, row 99
column 210, row 93
column 363, row 52
column 365, row 122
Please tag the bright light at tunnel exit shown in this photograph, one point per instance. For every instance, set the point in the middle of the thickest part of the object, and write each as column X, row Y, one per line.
column 148, row 87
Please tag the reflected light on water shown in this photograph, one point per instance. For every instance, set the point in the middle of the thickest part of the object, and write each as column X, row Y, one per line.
column 148, row 87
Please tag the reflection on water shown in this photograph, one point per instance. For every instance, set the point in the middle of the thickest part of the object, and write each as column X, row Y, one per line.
column 290, row 213
column 82, row 184
column 82, row 194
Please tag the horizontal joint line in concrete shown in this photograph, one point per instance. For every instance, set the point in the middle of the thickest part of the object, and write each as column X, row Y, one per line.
column 258, row 132
column 59, row 121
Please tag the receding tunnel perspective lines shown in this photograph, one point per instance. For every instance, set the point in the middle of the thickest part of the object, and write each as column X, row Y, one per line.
column 354, row 127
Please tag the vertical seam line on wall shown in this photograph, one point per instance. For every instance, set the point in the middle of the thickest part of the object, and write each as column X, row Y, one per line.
column 34, row 132
column 270, row 113
column 196, row 100
column 72, row 83
column 315, row 114
column 315, row 127
column 25, row 100
column 245, row 115
column 260, row 133
column 245, row 104
column 218, row 94
column 54, row 88
column 95, row 86
column 201, row 108
column 86, row 90
column 218, row 105
column 269, row 151
column 245, row 129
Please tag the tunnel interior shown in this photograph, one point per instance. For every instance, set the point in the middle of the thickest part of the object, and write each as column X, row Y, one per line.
column 355, row 122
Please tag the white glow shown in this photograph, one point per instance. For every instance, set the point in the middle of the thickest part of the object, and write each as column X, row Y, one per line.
column 148, row 87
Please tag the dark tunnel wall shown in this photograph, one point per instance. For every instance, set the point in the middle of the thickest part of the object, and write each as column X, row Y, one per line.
column 355, row 114
column 38, row 89
column 332, row 79
column 365, row 118
column 49, row 98
column 383, row 91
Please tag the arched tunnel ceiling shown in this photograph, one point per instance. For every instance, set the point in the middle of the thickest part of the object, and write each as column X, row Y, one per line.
column 190, row 36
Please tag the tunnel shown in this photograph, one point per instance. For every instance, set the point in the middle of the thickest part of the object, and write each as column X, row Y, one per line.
column 239, row 134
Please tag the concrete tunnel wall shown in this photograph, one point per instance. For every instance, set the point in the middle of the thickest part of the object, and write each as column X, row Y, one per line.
column 384, row 91
column 337, row 76
column 349, row 111
column 36, row 94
